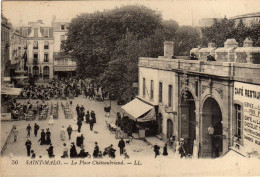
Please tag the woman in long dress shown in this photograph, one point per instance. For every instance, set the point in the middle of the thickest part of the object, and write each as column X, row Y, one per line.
column 51, row 121
column 62, row 134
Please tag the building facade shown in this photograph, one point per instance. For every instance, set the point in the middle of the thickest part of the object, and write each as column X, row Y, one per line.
column 247, row 19
column 63, row 65
column 196, row 98
column 40, row 41
column 5, row 50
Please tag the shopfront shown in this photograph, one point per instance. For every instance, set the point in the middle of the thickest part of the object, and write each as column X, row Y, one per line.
column 143, row 116
column 246, row 139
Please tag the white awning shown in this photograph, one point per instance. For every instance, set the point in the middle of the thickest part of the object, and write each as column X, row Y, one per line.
column 136, row 108
column 11, row 91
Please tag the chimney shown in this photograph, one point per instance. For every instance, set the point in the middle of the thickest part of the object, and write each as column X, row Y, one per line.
column 248, row 43
column 168, row 49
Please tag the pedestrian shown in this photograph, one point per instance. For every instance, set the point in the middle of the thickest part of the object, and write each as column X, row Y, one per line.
column 111, row 152
column 28, row 145
column 79, row 123
column 156, row 150
column 51, row 121
column 50, row 151
column 165, row 153
column 28, row 128
column 78, row 140
column 65, row 151
column 118, row 119
column 36, row 128
column 73, row 151
column 91, row 124
column 62, row 134
column 121, row 145
column 48, row 136
column 181, row 148
column 15, row 133
column 87, row 117
column 42, row 139
column 33, row 154
column 69, row 130
column 96, row 150
column 107, row 111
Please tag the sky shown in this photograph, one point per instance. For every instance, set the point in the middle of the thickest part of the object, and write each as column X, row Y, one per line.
column 185, row 12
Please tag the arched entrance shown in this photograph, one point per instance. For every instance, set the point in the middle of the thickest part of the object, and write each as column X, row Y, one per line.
column 169, row 128
column 212, row 144
column 35, row 71
column 46, row 72
column 188, row 121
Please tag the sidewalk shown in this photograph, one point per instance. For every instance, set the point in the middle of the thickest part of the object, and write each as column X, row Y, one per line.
column 154, row 140
column 5, row 135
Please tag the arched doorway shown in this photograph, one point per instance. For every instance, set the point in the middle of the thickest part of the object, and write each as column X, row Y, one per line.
column 169, row 128
column 212, row 144
column 188, row 121
column 35, row 71
column 46, row 72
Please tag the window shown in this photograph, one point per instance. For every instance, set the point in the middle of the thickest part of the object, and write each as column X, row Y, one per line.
column 152, row 89
column 35, row 44
column 144, row 87
column 46, row 57
column 46, row 33
column 238, row 119
column 35, row 32
column 160, row 92
column 62, row 27
column 35, row 56
column 46, row 44
column 170, row 96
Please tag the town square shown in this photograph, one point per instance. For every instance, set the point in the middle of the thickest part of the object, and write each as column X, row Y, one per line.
column 146, row 88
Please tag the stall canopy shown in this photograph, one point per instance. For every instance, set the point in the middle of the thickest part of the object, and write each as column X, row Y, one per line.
column 11, row 91
column 139, row 111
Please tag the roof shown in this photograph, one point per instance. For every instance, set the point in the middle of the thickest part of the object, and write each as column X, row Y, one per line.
column 254, row 14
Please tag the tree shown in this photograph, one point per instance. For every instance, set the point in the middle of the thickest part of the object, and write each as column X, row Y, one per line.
column 219, row 32
column 92, row 37
column 186, row 38
column 254, row 34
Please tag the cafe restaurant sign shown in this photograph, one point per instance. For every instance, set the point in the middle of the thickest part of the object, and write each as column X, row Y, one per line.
column 249, row 96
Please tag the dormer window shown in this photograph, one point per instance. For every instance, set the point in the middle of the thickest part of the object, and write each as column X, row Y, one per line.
column 35, row 32
column 46, row 33
column 62, row 27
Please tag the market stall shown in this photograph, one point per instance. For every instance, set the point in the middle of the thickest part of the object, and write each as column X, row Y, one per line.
column 143, row 116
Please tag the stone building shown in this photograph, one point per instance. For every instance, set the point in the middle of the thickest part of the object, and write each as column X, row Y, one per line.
column 5, row 50
column 195, row 97
column 17, row 56
column 247, row 19
column 40, row 43
column 63, row 65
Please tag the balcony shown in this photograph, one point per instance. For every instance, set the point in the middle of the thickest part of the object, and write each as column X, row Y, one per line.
column 35, row 62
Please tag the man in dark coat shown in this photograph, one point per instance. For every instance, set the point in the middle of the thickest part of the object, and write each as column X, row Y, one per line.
column 42, row 139
column 50, row 151
column 121, row 145
column 156, row 150
column 87, row 117
column 79, row 123
column 36, row 128
column 165, row 152
column 69, row 130
column 91, row 124
column 28, row 128
column 48, row 136
column 96, row 150
column 73, row 151
column 28, row 145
